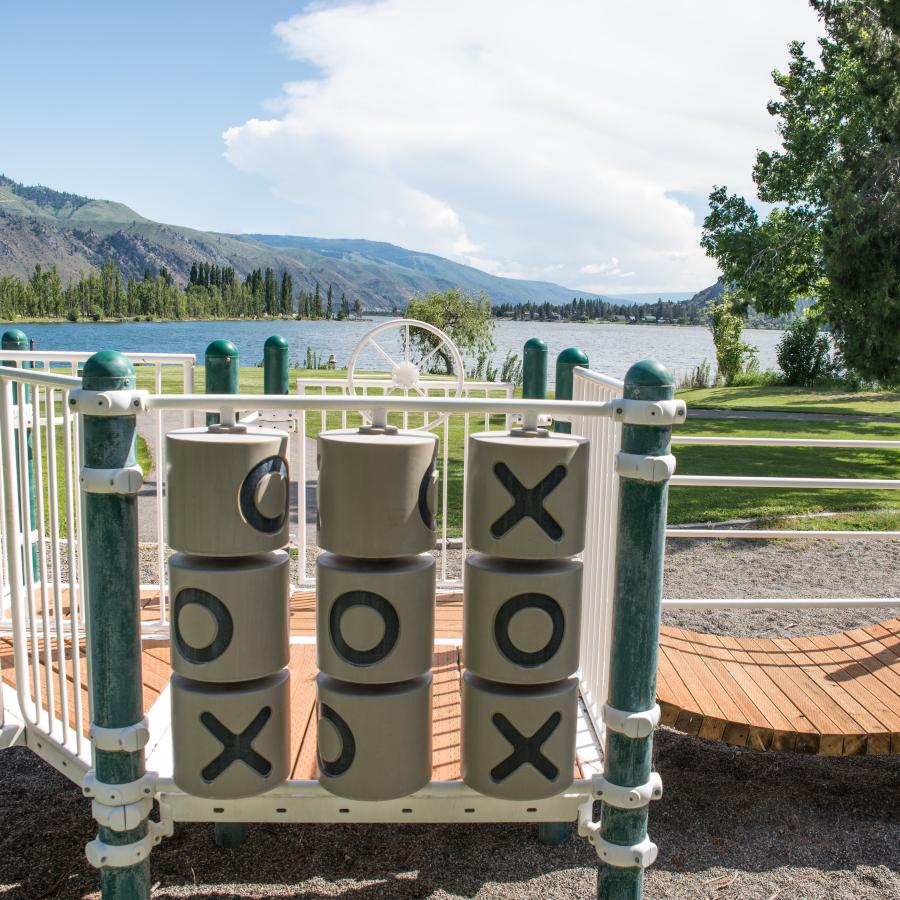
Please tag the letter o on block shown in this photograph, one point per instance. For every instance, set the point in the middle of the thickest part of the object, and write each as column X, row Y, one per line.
column 375, row 618
column 230, row 617
column 374, row 743
column 526, row 495
column 227, row 493
column 518, row 744
column 521, row 620
column 231, row 741
column 377, row 493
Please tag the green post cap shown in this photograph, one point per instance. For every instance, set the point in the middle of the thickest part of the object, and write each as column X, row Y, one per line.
column 14, row 339
column 108, row 370
column 275, row 341
column 649, row 373
column 535, row 343
column 221, row 349
column 573, row 357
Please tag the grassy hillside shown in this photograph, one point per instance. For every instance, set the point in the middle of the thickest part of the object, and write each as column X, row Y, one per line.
column 75, row 233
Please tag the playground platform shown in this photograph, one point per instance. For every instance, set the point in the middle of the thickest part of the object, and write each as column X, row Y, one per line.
column 834, row 695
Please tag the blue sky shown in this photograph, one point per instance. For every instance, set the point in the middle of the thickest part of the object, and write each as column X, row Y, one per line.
column 128, row 101
column 569, row 141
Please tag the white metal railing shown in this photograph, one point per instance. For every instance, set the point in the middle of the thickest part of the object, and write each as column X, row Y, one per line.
column 182, row 366
column 600, row 539
column 599, row 555
column 49, row 620
column 44, row 603
column 44, row 608
column 449, row 434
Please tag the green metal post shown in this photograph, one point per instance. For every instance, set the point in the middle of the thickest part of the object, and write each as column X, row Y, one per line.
column 565, row 365
column 534, row 370
column 634, row 649
column 223, row 372
column 113, row 598
column 14, row 339
column 275, row 366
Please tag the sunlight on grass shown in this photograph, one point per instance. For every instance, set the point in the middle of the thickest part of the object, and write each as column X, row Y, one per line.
column 794, row 399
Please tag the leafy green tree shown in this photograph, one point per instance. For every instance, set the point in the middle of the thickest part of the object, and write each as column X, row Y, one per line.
column 727, row 328
column 466, row 319
column 835, row 231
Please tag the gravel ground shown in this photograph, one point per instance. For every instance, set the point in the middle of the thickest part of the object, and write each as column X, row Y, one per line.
column 733, row 823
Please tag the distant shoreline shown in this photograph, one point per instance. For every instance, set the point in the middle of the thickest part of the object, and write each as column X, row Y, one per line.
column 536, row 322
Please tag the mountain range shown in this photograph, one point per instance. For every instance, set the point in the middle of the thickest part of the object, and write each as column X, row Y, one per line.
column 75, row 233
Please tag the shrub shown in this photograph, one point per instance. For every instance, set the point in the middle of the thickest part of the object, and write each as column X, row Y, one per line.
column 804, row 354
column 698, row 377
column 511, row 370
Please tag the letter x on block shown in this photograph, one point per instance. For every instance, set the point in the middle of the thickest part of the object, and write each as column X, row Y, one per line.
column 236, row 746
column 525, row 749
column 528, row 502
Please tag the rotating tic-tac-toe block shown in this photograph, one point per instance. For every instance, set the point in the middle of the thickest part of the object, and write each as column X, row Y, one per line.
column 377, row 492
column 374, row 743
column 375, row 618
column 521, row 620
column 228, row 491
column 518, row 744
column 230, row 617
column 232, row 740
column 526, row 494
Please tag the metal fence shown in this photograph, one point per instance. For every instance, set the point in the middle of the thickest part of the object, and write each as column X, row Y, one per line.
column 599, row 556
column 43, row 610
column 151, row 367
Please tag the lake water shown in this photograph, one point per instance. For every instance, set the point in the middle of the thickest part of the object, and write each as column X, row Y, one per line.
column 610, row 348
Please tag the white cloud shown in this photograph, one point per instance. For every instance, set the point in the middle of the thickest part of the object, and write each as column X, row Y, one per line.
column 524, row 137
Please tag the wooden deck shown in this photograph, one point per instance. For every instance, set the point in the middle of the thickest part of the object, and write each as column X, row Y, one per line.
column 836, row 695
column 833, row 695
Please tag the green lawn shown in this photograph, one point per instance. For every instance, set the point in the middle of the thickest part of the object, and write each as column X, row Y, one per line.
column 718, row 504
column 143, row 458
column 867, row 510
column 792, row 399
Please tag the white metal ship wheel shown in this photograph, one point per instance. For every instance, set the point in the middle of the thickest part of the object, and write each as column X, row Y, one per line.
column 405, row 375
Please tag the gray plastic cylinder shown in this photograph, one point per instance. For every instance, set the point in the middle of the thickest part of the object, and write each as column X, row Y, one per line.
column 521, row 620
column 230, row 617
column 227, row 492
column 377, row 493
column 231, row 741
column 526, row 494
column 375, row 618
column 518, row 743
column 374, row 743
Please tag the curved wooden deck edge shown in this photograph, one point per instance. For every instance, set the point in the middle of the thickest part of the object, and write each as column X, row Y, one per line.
column 835, row 695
